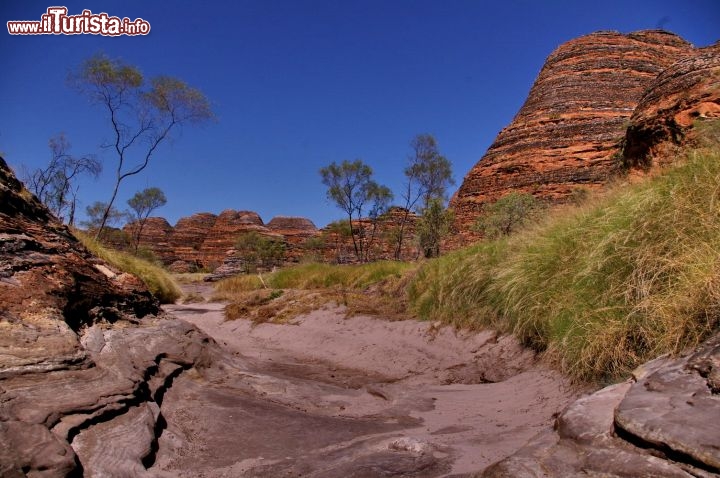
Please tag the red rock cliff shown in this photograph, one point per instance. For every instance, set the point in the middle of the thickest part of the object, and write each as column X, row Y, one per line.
column 188, row 236
column 156, row 231
column 567, row 134
column 296, row 231
column 687, row 91
column 224, row 233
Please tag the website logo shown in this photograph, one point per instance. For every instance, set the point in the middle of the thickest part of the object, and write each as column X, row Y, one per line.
column 56, row 21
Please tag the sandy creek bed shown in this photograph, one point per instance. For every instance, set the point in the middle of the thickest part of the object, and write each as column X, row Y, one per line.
column 330, row 396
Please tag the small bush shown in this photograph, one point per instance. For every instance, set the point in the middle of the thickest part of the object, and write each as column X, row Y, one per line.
column 507, row 215
column 147, row 254
column 227, row 288
column 256, row 251
column 193, row 298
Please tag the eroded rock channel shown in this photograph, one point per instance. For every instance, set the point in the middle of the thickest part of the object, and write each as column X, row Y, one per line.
column 334, row 396
column 97, row 380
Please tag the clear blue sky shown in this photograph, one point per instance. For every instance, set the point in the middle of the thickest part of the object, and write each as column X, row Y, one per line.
column 298, row 84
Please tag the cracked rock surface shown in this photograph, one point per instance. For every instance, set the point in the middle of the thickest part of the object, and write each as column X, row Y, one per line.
column 86, row 354
column 661, row 423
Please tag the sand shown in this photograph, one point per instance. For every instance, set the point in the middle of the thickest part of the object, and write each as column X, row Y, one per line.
column 357, row 396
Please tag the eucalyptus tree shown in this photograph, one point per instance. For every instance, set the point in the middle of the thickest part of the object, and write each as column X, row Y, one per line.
column 428, row 175
column 142, row 114
column 142, row 204
column 352, row 189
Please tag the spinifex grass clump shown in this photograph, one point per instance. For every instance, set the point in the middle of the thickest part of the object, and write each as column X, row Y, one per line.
column 600, row 288
column 316, row 276
column 157, row 280
column 373, row 288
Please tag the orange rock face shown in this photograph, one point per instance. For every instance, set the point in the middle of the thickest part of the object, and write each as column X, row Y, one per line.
column 296, row 231
column 156, row 231
column 379, row 241
column 188, row 236
column 568, row 133
column 686, row 92
column 221, row 238
column 206, row 241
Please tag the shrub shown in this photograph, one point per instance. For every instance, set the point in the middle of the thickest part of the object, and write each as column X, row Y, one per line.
column 507, row 214
column 433, row 226
column 317, row 276
column 256, row 251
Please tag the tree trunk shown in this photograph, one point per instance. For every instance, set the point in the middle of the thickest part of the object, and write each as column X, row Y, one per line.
column 106, row 214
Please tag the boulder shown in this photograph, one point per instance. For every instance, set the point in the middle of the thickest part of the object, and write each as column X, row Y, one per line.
column 661, row 423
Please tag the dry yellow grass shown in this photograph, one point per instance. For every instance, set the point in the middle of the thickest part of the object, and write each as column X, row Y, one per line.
column 157, row 279
column 602, row 287
column 375, row 288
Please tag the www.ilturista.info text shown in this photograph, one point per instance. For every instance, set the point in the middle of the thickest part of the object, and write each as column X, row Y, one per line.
column 57, row 22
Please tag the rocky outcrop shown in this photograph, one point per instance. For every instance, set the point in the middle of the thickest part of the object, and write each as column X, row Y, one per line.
column 85, row 354
column 568, row 133
column 207, row 241
column 156, row 231
column 290, row 226
column 48, row 279
column 187, row 238
column 661, row 423
column 296, row 231
column 687, row 91
column 223, row 235
column 379, row 239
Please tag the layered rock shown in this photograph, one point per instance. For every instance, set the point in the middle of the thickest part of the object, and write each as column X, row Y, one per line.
column 207, row 241
column 295, row 231
column 156, row 231
column 188, row 236
column 48, row 279
column 662, row 423
column 568, row 133
column 379, row 239
column 687, row 91
column 221, row 238
column 85, row 355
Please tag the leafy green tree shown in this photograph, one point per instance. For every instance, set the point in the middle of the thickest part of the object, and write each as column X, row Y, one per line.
column 338, row 232
column 141, row 115
column 142, row 204
column 507, row 214
column 55, row 184
column 256, row 250
column 95, row 213
column 427, row 177
column 433, row 225
column 352, row 189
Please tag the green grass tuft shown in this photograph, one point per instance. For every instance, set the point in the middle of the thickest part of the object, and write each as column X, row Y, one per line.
column 317, row 276
column 157, row 279
column 603, row 287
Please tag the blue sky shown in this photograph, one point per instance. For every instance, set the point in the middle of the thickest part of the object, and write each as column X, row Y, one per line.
column 298, row 84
